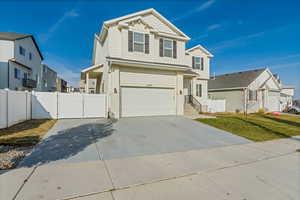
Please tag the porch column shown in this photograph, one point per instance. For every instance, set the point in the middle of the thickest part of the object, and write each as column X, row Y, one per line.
column 87, row 82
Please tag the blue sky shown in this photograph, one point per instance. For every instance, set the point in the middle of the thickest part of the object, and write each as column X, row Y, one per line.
column 241, row 34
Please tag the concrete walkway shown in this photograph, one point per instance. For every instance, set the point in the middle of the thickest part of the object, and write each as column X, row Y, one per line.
column 254, row 171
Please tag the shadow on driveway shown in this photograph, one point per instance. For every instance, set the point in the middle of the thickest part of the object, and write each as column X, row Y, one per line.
column 67, row 143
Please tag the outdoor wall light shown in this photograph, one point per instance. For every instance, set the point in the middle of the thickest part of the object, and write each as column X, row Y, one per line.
column 180, row 92
column 115, row 90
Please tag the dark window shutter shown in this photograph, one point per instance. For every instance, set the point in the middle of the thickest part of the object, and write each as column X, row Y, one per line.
column 174, row 49
column 161, row 47
column 130, row 41
column 193, row 62
column 147, row 43
column 202, row 63
column 200, row 90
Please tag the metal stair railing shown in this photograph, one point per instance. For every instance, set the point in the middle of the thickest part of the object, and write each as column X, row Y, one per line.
column 195, row 103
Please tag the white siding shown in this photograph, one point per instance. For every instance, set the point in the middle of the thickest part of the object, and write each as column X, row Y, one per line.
column 118, row 46
column 35, row 63
column 147, row 77
column 234, row 99
column 198, row 53
column 6, row 53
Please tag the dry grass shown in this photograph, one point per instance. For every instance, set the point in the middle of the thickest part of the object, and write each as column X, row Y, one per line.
column 257, row 127
column 26, row 133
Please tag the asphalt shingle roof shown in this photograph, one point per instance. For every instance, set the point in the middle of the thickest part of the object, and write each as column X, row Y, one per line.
column 234, row 80
column 12, row 36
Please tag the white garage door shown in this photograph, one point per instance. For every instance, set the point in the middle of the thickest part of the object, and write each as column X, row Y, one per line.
column 147, row 101
column 274, row 101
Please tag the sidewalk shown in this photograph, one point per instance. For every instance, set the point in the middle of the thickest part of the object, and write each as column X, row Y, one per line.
column 268, row 170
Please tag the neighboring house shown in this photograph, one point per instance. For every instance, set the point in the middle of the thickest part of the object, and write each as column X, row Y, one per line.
column 286, row 96
column 71, row 89
column 141, row 63
column 248, row 91
column 49, row 77
column 20, row 62
column 61, row 85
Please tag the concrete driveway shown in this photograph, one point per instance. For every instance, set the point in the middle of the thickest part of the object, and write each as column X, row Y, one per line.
column 78, row 140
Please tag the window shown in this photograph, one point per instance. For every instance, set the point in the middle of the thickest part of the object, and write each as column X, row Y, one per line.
column 198, row 63
column 21, row 51
column 17, row 73
column 252, row 95
column 30, row 56
column 25, row 75
column 168, row 48
column 138, row 42
column 199, row 90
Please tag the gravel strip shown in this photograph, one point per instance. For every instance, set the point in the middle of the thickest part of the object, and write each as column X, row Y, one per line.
column 10, row 156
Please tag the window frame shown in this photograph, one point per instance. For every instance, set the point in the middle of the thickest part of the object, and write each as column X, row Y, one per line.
column 197, row 63
column 17, row 73
column 253, row 94
column 138, row 42
column 198, row 91
column 164, row 39
column 30, row 56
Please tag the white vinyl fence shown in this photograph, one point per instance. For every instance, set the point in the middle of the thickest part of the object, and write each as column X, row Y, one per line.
column 18, row 106
column 215, row 105
column 15, row 107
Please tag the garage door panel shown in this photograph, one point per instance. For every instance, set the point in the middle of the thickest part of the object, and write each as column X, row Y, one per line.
column 147, row 101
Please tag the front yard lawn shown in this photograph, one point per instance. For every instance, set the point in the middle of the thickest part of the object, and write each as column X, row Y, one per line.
column 26, row 133
column 257, row 127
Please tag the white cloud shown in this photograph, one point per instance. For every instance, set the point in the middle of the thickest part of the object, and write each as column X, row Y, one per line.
column 206, row 5
column 213, row 27
column 191, row 12
column 44, row 37
column 235, row 42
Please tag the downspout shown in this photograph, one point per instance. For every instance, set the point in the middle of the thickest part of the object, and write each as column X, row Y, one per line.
column 245, row 100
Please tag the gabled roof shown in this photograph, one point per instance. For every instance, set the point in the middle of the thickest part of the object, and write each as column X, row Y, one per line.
column 152, row 11
column 234, row 80
column 17, row 36
column 202, row 49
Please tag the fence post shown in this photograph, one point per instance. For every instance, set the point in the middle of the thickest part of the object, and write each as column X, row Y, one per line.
column 26, row 104
column 7, row 110
column 82, row 105
column 57, row 105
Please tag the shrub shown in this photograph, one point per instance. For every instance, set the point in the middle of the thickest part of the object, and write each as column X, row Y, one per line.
column 262, row 111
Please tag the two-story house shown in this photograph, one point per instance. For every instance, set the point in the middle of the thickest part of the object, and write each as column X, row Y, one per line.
column 20, row 62
column 61, row 85
column 140, row 61
column 49, row 77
